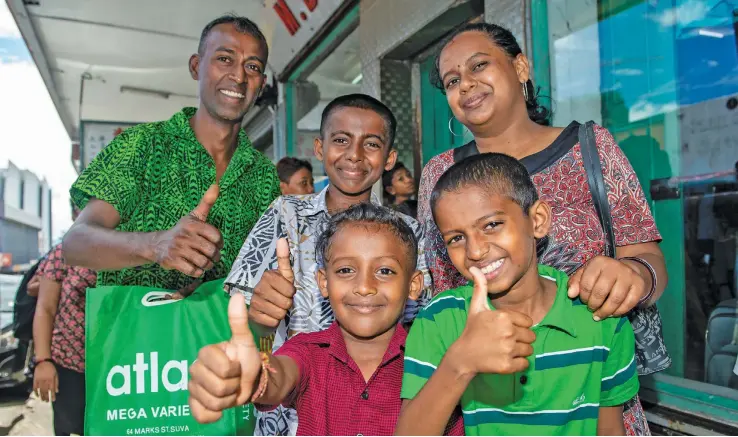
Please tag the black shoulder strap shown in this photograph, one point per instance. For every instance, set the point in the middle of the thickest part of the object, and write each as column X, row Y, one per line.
column 597, row 188
column 465, row 151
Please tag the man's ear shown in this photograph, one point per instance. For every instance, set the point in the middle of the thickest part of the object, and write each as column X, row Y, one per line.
column 195, row 66
column 318, row 148
column 416, row 285
column 391, row 190
column 263, row 85
column 283, row 187
column 322, row 280
column 540, row 216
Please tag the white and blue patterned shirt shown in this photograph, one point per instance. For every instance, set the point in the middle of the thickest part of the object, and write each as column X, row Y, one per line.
column 301, row 219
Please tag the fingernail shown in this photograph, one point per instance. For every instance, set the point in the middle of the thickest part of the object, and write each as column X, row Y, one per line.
column 596, row 318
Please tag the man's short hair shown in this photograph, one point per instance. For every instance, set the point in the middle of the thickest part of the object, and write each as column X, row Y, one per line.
column 370, row 215
column 361, row 101
column 288, row 166
column 242, row 24
column 495, row 172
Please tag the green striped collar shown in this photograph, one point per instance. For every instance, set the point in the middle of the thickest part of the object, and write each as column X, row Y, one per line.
column 559, row 316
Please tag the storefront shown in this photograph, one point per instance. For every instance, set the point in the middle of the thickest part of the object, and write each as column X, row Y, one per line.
column 662, row 76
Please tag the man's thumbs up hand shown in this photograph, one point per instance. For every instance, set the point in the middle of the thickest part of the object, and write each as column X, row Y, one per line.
column 202, row 210
column 192, row 246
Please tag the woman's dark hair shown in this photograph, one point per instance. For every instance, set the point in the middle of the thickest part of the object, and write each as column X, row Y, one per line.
column 495, row 172
column 505, row 40
column 387, row 180
column 369, row 215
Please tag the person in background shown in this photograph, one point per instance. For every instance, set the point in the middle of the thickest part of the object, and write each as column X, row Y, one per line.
column 295, row 176
column 59, row 340
column 486, row 79
column 399, row 187
column 168, row 204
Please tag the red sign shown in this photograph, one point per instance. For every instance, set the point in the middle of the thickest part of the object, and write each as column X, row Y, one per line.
column 6, row 259
column 288, row 18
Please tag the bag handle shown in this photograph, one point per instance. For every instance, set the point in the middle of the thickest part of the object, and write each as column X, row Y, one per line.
column 597, row 188
column 156, row 298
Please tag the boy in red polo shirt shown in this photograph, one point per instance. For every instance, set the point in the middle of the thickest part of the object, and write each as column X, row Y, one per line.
column 345, row 380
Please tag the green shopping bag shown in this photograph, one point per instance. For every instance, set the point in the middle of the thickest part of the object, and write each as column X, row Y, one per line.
column 139, row 347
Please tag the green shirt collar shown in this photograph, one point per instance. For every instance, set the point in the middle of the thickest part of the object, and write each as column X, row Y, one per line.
column 243, row 157
column 559, row 316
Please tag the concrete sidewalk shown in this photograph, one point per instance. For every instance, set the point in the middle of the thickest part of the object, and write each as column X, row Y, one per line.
column 29, row 416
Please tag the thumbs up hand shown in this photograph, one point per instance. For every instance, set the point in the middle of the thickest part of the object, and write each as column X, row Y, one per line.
column 493, row 341
column 225, row 374
column 273, row 294
column 192, row 246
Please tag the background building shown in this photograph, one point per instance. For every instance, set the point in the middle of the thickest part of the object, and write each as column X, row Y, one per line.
column 25, row 217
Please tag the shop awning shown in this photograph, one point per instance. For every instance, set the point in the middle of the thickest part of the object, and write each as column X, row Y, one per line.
column 120, row 61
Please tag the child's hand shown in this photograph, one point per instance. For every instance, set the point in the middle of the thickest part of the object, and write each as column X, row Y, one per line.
column 608, row 286
column 273, row 294
column 493, row 341
column 225, row 374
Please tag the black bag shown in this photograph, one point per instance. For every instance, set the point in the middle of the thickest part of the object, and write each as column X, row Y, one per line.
column 651, row 353
column 24, row 308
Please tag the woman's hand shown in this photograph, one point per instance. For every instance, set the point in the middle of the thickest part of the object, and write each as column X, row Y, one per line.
column 33, row 286
column 608, row 286
column 46, row 381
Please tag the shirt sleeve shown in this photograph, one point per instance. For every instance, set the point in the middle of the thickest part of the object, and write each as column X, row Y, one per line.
column 424, row 349
column 298, row 349
column 445, row 276
column 258, row 253
column 54, row 268
column 115, row 174
column 619, row 373
column 633, row 221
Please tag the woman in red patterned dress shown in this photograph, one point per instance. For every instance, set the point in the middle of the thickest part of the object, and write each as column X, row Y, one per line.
column 486, row 80
column 59, row 340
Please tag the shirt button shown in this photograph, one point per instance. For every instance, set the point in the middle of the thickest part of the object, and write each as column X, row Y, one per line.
column 523, row 379
column 365, row 395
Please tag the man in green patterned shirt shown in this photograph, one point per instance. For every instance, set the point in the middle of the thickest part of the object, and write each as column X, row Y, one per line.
column 169, row 204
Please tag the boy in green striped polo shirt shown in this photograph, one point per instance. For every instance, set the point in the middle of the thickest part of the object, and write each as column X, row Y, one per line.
column 510, row 349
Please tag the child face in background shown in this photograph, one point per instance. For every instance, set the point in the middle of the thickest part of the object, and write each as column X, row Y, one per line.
column 368, row 277
column 301, row 182
column 403, row 184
